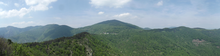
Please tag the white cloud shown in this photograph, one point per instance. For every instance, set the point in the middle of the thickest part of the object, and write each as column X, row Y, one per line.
column 160, row 3
column 122, row 15
column 100, row 13
column 36, row 5
column 3, row 3
column 14, row 12
column 16, row 4
column 109, row 3
column 32, row 2
column 41, row 5
column 21, row 23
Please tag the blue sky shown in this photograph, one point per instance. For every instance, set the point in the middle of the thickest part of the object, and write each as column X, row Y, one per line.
column 80, row 13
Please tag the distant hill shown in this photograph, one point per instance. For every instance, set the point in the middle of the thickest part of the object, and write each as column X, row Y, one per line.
column 42, row 33
column 146, row 28
column 109, row 26
column 52, row 31
column 11, row 31
column 171, row 27
column 118, row 23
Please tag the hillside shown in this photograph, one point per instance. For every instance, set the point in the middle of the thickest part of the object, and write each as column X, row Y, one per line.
column 52, row 31
column 10, row 31
column 147, row 28
column 82, row 44
column 109, row 27
column 42, row 33
column 180, row 41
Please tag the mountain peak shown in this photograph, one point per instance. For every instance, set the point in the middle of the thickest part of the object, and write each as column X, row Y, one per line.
column 117, row 23
column 110, row 21
column 11, row 27
column 52, row 25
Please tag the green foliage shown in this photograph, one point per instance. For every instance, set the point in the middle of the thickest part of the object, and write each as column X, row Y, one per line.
column 9, row 41
column 82, row 44
column 5, row 48
column 22, row 50
column 164, row 42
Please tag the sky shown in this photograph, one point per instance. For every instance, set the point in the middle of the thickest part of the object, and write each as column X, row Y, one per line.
column 81, row 13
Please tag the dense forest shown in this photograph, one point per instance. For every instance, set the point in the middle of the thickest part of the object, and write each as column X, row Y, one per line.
column 109, row 38
column 82, row 44
column 165, row 42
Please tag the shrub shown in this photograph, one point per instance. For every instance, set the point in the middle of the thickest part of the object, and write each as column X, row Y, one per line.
column 5, row 48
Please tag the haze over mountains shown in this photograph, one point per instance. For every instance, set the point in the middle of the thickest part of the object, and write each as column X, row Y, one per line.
column 126, row 39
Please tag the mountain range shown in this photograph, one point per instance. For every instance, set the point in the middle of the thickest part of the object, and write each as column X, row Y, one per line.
column 126, row 39
column 53, row 31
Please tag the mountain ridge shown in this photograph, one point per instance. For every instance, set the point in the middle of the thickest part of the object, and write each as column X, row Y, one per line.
column 103, row 22
column 42, row 33
column 52, row 31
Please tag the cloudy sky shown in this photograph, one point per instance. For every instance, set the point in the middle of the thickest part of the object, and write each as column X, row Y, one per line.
column 80, row 13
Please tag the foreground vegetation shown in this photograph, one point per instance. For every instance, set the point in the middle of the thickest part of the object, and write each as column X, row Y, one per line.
column 82, row 44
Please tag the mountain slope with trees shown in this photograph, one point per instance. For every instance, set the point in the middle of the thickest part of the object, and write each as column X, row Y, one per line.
column 164, row 42
column 52, row 31
column 108, row 27
column 82, row 44
column 42, row 33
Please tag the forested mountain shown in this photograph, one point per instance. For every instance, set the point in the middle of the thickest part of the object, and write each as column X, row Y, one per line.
column 108, row 27
column 165, row 42
column 119, row 38
column 42, row 33
column 10, row 31
column 147, row 28
column 52, row 31
column 82, row 44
